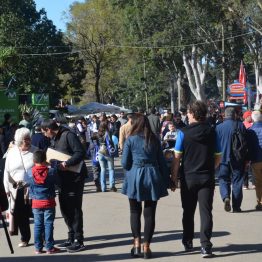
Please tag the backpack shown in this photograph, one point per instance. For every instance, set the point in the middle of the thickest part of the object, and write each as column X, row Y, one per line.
column 111, row 148
column 95, row 161
column 239, row 149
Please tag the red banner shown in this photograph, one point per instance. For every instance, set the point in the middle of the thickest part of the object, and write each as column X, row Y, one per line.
column 242, row 74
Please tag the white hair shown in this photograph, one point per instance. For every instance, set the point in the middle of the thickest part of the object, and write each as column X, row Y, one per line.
column 21, row 134
column 256, row 116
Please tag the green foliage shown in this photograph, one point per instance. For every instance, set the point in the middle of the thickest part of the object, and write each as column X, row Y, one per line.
column 33, row 112
column 32, row 50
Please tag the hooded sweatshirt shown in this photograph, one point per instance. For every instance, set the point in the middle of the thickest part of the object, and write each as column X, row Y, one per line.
column 198, row 144
column 43, row 188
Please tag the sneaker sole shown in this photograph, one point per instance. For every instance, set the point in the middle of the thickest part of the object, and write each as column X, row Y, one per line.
column 207, row 255
column 62, row 248
column 78, row 250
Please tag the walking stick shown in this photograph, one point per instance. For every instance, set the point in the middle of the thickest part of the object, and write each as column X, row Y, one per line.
column 6, row 233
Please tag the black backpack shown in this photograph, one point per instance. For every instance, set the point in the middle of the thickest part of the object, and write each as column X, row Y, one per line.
column 239, row 149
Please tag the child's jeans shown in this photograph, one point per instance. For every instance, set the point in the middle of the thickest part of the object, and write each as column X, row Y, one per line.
column 44, row 227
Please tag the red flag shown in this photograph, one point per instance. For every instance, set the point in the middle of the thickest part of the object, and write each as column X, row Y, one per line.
column 242, row 75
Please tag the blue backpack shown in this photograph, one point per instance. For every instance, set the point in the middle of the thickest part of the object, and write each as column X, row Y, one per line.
column 111, row 147
column 95, row 161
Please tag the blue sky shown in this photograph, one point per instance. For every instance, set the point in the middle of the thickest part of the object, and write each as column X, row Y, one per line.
column 55, row 9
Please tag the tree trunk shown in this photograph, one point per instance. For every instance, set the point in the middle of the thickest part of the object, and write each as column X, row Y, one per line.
column 97, row 83
column 258, row 84
column 173, row 87
column 196, row 74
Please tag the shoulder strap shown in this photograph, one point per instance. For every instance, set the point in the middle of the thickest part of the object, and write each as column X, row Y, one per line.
column 21, row 158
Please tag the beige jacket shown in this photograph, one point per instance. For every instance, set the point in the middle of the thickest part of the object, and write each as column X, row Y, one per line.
column 123, row 134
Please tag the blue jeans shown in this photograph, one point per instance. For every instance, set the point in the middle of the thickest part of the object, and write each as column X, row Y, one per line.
column 44, row 226
column 228, row 175
column 109, row 161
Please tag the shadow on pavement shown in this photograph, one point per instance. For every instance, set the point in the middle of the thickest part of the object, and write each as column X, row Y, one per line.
column 108, row 241
column 230, row 250
column 238, row 249
column 78, row 257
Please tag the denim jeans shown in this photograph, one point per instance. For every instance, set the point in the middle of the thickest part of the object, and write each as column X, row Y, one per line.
column 228, row 175
column 44, row 226
column 109, row 161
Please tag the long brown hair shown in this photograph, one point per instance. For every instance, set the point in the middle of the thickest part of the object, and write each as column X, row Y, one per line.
column 141, row 126
column 103, row 128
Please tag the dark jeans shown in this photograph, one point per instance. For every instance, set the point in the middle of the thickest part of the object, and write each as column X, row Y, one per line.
column 228, row 175
column 96, row 174
column 149, row 216
column 21, row 216
column 70, row 199
column 201, row 191
column 44, row 225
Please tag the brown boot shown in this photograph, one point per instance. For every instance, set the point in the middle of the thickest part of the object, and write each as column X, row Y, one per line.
column 147, row 251
column 136, row 249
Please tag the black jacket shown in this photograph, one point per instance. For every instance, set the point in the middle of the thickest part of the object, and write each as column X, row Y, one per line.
column 154, row 123
column 67, row 142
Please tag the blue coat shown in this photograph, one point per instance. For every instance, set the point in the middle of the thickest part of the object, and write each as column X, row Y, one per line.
column 43, row 191
column 147, row 176
column 254, row 136
column 224, row 134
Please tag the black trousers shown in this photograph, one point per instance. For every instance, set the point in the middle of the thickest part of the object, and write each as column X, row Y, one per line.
column 149, row 217
column 21, row 216
column 70, row 199
column 201, row 191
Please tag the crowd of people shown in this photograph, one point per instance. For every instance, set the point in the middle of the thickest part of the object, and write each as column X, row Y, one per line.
column 185, row 150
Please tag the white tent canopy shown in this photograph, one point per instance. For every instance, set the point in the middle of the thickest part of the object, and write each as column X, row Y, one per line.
column 95, row 107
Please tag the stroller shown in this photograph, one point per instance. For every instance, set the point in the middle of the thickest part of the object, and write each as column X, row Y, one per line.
column 169, row 153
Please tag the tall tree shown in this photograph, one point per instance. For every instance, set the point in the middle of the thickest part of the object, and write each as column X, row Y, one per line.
column 93, row 28
column 39, row 55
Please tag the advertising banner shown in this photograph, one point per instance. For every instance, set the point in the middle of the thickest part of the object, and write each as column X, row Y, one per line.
column 41, row 103
column 9, row 104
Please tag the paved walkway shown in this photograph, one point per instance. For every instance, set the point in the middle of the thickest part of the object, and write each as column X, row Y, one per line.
column 236, row 237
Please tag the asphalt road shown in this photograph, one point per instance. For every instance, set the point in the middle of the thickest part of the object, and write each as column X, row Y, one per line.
column 236, row 236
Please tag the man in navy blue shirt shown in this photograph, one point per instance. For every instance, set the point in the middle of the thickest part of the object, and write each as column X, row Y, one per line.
column 230, row 170
column 199, row 152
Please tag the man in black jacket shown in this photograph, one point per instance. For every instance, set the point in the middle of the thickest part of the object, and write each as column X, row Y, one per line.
column 199, row 151
column 154, row 122
column 72, row 184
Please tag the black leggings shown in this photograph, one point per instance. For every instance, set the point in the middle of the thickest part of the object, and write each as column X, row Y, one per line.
column 149, row 216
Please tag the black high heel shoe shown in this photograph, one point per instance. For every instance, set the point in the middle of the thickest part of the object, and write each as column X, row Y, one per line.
column 136, row 249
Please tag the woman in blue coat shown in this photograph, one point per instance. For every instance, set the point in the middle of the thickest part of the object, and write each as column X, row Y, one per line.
column 146, row 180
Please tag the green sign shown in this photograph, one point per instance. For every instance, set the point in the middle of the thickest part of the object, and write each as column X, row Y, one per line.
column 40, row 99
column 41, row 103
column 9, row 104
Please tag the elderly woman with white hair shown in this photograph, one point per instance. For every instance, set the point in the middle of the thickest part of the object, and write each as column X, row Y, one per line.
column 19, row 159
